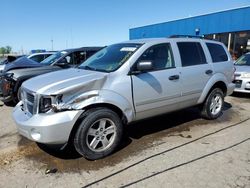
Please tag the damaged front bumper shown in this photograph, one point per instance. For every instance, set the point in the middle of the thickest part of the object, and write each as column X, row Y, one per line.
column 54, row 128
column 6, row 87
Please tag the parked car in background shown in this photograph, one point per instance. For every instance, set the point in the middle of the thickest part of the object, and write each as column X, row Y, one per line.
column 11, row 80
column 7, row 60
column 242, row 74
column 120, row 84
column 25, row 61
column 38, row 57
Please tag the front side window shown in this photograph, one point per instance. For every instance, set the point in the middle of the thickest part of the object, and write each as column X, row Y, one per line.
column 110, row 58
column 69, row 59
column 81, row 56
column 217, row 52
column 160, row 55
column 191, row 53
column 243, row 60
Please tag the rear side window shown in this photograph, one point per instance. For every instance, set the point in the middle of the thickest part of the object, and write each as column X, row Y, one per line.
column 38, row 58
column 47, row 55
column 191, row 53
column 217, row 52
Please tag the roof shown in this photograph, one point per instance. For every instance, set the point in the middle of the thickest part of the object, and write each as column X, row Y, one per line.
column 88, row 48
column 40, row 53
column 167, row 39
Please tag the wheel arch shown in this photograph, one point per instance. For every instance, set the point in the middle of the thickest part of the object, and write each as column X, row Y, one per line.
column 218, row 81
column 88, row 108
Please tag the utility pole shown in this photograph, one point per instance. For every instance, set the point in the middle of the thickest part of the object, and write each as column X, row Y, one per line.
column 52, row 45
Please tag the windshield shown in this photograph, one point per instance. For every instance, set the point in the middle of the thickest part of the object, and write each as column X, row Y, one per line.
column 53, row 58
column 243, row 60
column 110, row 58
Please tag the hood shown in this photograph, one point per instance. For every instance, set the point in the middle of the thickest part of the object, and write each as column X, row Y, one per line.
column 64, row 81
column 242, row 68
column 31, row 72
column 22, row 62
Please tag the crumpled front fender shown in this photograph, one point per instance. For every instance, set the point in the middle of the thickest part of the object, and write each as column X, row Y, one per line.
column 98, row 97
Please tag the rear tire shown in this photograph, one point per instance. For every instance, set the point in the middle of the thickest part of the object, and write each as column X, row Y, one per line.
column 212, row 107
column 99, row 133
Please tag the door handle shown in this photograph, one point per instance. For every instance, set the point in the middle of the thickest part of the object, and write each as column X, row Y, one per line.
column 209, row 71
column 174, row 77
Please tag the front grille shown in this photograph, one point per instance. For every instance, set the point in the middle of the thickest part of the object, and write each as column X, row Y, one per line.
column 30, row 97
column 28, row 101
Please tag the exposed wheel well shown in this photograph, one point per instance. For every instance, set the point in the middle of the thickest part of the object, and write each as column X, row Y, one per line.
column 86, row 109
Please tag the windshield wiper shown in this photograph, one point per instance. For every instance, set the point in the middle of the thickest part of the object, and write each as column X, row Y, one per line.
column 86, row 67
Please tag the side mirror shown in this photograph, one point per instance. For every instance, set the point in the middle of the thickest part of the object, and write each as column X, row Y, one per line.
column 144, row 66
column 62, row 62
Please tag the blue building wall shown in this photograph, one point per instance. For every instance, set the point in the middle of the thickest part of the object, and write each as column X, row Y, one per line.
column 226, row 21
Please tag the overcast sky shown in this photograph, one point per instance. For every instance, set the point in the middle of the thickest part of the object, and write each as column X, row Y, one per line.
column 30, row 24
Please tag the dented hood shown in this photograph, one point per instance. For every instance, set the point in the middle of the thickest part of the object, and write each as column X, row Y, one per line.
column 64, row 81
column 22, row 62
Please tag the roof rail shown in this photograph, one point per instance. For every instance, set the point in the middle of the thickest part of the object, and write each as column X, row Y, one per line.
column 187, row 36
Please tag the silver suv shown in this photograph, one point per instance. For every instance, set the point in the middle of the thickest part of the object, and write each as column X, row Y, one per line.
column 90, row 106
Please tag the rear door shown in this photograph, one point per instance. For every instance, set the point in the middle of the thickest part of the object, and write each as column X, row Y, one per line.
column 157, row 91
column 196, row 71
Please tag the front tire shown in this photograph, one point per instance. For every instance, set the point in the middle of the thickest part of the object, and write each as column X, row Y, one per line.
column 99, row 133
column 212, row 107
column 17, row 96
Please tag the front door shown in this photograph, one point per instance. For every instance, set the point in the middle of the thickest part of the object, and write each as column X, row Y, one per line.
column 157, row 91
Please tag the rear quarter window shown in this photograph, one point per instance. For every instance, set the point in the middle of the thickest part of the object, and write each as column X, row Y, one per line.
column 217, row 52
column 38, row 58
column 191, row 53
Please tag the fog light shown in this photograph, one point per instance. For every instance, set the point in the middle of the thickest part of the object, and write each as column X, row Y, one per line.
column 248, row 85
column 36, row 135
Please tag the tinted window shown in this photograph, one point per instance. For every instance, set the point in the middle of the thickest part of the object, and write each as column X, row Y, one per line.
column 81, row 56
column 191, row 53
column 160, row 55
column 68, row 59
column 47, row 55
column 217, row 52
column 38, row 58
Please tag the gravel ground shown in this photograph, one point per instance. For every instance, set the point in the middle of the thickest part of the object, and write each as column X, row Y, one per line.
column 175, row 150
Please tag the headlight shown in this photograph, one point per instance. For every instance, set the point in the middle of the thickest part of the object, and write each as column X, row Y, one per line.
column 45, row 104
column 245, row 75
